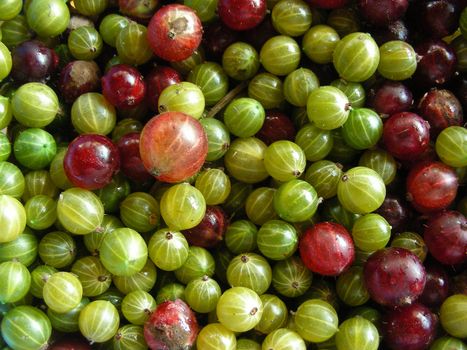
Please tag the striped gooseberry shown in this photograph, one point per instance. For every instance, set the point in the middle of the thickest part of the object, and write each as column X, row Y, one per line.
column 123, row 252
column 215, row 336
column 26, row 327
column 250, row 270
column 291, row 278
column 259, row 206
column 239, row 309
column 316, row 320
column 328, row 107
column 34, row 105
column 211, row 79
column 62, row 292
column 168, row 249
column 182, row 207
column 361, row 190
column 12, row 218
column 168, row 134
column 99, row 321
column 280, row 55
column 356, row 57
column 94, row 277
column 48, row 18
column 291, row 17
column 17, row 281
column 244, row 160
column 357, row 333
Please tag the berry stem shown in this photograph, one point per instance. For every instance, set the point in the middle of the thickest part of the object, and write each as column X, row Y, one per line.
column 226, row 99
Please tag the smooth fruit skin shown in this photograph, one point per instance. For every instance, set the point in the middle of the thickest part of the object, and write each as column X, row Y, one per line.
column 172, row 325
column 91, row 160
column 431, row 186
column 175, row 32
column 406, row 135
column 409, row 328
column 241, row 14
column 173, row 146
column 123, row 86
column 327, row 249
column 382, row 12
column 394, row 277
column 446, row 237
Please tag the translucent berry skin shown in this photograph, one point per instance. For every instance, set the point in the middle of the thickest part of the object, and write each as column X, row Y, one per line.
column 172, row 325
column 394, row 277
column 175, row 32
column 130, row 158
column 123, row 86
column 173, row 146
column 409, row 328
column 241, row 14
column 431, row 186
column 33, row 62
column 446, row 237
column 90, row 161
column 406, row 135
column 327, row 248
column 157, row 80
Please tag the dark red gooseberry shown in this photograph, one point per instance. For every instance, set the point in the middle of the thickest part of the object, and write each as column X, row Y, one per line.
column 396, row 30
column 409, row 328
column 210, row 231
column 441, row 109
column 258, row 35
column 328, row 4
column 77, row 78
column 446, row 237
column 382, row 12
column 406, row 135
column 157, row 80
column 241, row 14
column 277, row 126
column 394, row 277
column 327, row 248
column 173, row 146
column 172, row 325
column 123, row 86
column 396, row 211
column 436, row 286
column 130, row 159
column 437, row 63
column 390, row 97
column 32, row 61
column 175, row 32
column 217, row 37
column 437, row 18
column 431, row 186
column 90, row 161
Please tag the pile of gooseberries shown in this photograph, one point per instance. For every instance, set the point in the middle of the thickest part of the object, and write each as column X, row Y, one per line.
column 233, row 174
